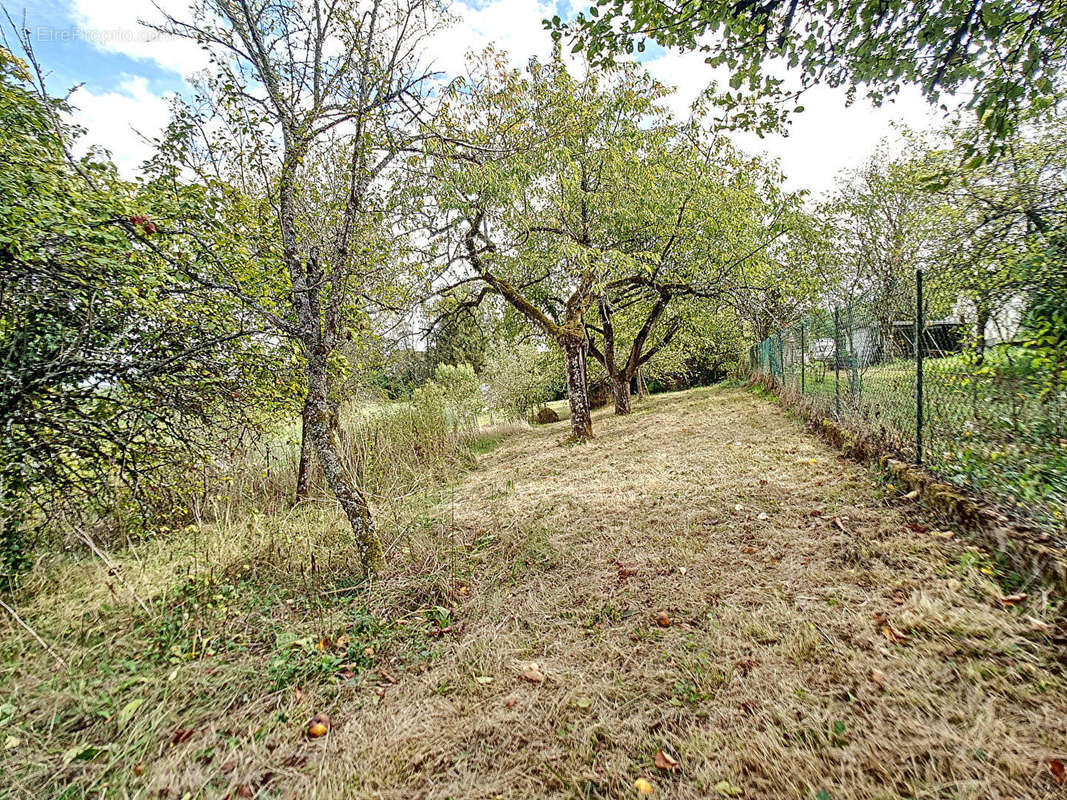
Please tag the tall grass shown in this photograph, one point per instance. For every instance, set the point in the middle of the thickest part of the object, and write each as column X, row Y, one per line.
column 199, row 645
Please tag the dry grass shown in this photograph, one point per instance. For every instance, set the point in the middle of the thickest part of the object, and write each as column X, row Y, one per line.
column 772, row 557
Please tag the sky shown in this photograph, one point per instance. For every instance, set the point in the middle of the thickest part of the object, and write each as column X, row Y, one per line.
column 125, row 74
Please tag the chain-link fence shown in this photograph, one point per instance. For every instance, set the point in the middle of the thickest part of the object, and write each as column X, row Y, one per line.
column 970, row 402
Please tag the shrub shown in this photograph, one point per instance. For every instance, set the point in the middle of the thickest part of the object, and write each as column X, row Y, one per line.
column 520, row 378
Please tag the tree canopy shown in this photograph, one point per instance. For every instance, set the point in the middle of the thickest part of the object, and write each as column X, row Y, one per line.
column 1007, row 56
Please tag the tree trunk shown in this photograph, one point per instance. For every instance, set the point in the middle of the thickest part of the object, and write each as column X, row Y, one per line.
column 642, row 387
column 620, row 387
column 979, row 334
column 578, row 390
column 324, row 434
column 307, row 453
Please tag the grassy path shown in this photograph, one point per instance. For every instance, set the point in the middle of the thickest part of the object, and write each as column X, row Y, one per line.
column 816, row 646
column 703, row 578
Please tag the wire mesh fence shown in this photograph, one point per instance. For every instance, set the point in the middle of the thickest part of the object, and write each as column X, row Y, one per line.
column 934, row 368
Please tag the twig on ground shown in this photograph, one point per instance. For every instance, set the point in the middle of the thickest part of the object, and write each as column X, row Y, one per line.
column 33, row 633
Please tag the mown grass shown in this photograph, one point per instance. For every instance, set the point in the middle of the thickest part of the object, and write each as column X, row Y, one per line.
column 772, row 559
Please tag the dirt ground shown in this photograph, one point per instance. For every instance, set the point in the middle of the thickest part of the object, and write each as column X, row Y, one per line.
column 707, row 580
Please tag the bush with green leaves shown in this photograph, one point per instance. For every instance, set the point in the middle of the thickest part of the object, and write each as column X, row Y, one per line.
column 455, row 390
column 521, row 378
column 1044, row 324
column 116, row 375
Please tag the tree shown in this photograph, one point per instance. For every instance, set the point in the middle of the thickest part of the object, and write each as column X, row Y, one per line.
column 1044, row 323
column 707, row 221
column 112, row 374
column 887, row 226
column 306, row 110
column 708, row 346
column 115, row 377
column 991, row 213
column 1013, row 54
column 969, row 226
column 535, row 178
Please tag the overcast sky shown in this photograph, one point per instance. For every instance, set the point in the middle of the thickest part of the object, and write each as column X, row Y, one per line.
column 128, row 72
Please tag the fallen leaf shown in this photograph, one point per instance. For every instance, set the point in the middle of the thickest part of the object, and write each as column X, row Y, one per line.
column 181, row 735
column 229, row 765
column 11, row 742
column 298, row 694
column 318, row 726
column 128, row 711
column 626, row 569
column 888, row 631
column 531, row 672
column 877, row 676
column 727, row 789
column 509, row 703
column 663, row 620
column 746, row 665
column 911, row 495
column 644, row 787
column 84, row 753
column 138, row 769
column 584, row 703
column 664, row 761
column 1058, row 770
column 893, row 635
column 1013, row 599
column 748, row 550
column 244, row 790
column 483, row 679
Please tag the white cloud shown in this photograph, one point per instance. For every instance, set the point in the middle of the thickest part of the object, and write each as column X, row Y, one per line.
column 113, row 27
column 827, row 137
column 118, row 121
column 514, row 26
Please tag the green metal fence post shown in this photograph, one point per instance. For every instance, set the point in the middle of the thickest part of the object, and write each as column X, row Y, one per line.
column 837, row 361
column 803, row 353
column 781, row 356
column 919, row 333
column 770, row 359
column 854, row 380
